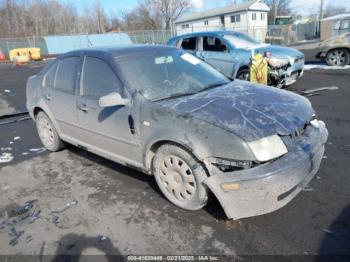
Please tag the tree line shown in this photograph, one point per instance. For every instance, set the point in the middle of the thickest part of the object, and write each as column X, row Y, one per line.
column 26, row 18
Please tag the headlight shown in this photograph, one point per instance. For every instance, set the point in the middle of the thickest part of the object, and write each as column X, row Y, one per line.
column 268, row 148
column 277, row 62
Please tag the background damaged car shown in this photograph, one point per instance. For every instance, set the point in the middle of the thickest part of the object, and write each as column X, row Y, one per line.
column 171, row 115
column 336, row 50
column 230, row 52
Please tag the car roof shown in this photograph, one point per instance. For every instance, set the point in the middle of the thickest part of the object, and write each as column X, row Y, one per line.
column 117, row 51
column 210, row 33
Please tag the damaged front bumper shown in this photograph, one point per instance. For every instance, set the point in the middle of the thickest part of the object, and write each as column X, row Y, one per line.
column 281, row 77
column 270, row 186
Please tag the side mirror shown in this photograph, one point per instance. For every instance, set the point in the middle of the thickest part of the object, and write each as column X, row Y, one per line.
column 113, row 99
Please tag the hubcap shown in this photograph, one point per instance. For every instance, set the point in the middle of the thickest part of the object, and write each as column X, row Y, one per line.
column 337, row 57
column 177, row 178
column 244, row 76
column 45, row 132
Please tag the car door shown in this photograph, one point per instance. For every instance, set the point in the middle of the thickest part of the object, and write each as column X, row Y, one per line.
column 215, row 52
column 109, row 131
column 60, row 84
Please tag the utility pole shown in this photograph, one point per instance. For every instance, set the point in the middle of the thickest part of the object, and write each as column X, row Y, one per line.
column 275, row 11
column 321, row 9
column 320, row 18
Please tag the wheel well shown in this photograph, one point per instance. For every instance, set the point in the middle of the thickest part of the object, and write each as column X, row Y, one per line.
column 336, row 48
column 243, row 68
column 36, row 111
column 153, row 149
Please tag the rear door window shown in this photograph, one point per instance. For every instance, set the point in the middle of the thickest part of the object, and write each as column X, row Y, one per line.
column 66, row 73
column 98, row 79
column 189, row 43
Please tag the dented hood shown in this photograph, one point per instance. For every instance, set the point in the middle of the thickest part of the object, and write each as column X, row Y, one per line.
column 250, row 111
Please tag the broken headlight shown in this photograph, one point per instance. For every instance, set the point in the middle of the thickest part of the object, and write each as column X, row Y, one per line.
column 277, row 62
column 268, row 148
column 228, row 165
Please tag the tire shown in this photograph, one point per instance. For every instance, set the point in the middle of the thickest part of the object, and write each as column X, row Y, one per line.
column 243, row 74
column 48, row 133
column 338, row 57
column 180, row 177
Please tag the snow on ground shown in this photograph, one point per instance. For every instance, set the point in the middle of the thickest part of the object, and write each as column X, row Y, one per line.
column 320, row 66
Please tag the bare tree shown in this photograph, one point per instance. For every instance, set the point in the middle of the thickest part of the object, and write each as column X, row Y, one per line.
column 278, row 7
column 169, row 10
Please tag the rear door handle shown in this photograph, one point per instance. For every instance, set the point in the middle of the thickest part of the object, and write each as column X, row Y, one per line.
column 83, row 107
column 48, row 97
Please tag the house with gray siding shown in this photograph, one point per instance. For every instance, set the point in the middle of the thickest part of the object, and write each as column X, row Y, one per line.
column 250, row 17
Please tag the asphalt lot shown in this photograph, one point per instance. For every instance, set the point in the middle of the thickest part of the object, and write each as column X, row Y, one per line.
column 121, row 211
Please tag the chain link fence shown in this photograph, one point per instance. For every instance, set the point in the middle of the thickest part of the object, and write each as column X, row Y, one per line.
column 291, row 34
column 278, row 34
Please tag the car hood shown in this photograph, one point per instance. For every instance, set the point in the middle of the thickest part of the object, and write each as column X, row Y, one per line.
column 280, row 51
column 250, row 111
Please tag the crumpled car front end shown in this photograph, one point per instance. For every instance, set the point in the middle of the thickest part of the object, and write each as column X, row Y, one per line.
column 266, row 187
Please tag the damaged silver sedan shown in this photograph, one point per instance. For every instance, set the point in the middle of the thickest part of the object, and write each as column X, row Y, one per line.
column 167, row 113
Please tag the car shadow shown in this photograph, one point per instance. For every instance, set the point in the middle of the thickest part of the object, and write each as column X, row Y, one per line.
column 71, row 247
column 213, row 208
column 336, row 240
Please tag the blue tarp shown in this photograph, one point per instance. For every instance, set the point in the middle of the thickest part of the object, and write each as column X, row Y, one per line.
column 63, row 44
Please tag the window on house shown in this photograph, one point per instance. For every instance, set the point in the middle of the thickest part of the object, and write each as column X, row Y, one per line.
column 222, row 19
column 189, row 43
column 213, row 44
column 185, row 26
column 253, row 16
column 262, row 16
column 235, row 19
column 206, row 22
column 238, row 18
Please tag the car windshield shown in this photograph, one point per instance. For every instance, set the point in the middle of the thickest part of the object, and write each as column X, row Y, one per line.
column 166, row 74
column 240, row 40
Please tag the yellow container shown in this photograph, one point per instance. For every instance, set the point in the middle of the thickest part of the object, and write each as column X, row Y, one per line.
column 258, row 69
column 23, row 55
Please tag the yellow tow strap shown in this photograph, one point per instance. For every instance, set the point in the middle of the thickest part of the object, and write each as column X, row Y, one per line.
column 258, row 69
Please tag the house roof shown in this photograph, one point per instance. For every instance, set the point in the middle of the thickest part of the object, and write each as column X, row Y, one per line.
column 335, row 17
column 224, row 10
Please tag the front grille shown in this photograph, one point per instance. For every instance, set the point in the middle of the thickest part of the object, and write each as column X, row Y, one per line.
column 298, row 132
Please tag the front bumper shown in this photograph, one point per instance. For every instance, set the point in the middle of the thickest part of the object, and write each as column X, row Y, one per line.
column 268, row 187
column 286, row 77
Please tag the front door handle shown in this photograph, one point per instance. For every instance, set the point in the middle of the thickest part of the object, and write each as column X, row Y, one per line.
column 83, row 107
column 48, row 97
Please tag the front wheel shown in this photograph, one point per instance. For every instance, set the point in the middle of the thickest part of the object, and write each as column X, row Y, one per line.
column 48, row 133
column 180, row 177
column 338, row 57
column 243, row 74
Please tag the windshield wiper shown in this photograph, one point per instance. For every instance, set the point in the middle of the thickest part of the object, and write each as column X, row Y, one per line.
column 173, row 96
column 211, row 86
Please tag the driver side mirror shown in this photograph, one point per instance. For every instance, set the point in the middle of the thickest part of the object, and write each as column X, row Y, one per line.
column 113, row 99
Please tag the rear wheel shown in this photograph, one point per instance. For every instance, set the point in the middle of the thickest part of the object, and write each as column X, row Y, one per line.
column 48, row 133
column 337, row 57
column 180, row 177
